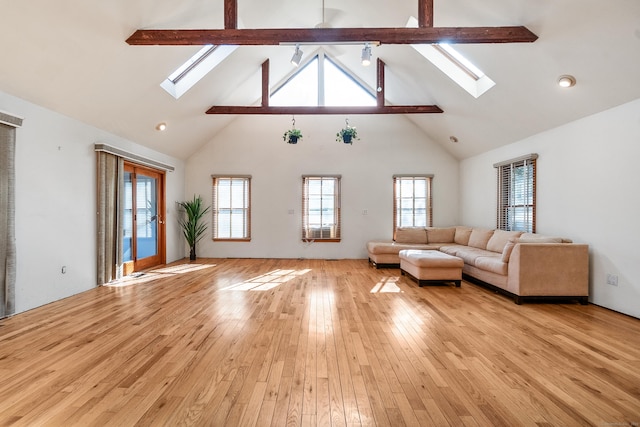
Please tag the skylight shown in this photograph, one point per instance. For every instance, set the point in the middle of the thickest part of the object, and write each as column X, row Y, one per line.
column 454, row 65
column 322, row 82
column 195, row 68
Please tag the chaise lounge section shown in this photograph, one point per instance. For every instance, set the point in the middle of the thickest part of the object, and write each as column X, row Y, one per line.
column 525, row 266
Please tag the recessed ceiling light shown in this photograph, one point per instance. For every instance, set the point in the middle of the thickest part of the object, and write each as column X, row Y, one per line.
column 161, row 126
column 453, row 139
column 566, row 81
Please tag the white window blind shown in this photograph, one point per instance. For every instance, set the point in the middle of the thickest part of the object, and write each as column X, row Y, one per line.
column 231, row 208
column 321, row 208
column 517, row 194
column 412, row 201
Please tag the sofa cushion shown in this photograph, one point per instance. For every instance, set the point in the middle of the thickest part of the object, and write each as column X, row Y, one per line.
column 479, row 238
column 500, row 238
column 394, row 247
column 462, row 235
column 452, row 249
column 411, row 235
column 469, row 254
column 440, row 235
column 493, row 264
column 508, row 248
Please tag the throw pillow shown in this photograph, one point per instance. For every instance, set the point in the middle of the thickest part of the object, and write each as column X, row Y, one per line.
column 508, row 248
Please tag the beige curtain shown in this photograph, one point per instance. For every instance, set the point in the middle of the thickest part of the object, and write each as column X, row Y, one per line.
column 110, row 229
column 7, row 214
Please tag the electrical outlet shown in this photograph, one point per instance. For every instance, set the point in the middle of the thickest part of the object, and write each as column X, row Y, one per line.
column 365, row 212
column 63, row 270
column 612, row 279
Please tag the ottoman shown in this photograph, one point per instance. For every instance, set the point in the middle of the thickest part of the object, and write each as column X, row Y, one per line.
column 431, row 266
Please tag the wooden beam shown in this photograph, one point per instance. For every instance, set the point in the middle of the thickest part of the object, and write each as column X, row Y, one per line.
column 268, row 110
column 230, row 14
column 265, row 83
column 425, row 13
column 275, row 36
column 380, row 83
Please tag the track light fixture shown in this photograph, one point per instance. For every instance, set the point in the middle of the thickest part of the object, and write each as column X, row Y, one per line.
column 366, row 55
column 297, row 56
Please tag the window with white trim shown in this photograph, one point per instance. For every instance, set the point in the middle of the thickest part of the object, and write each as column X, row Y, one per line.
column 517, row 194
column 412, row 202
column 321, row 208
column 232, row 208
column 322, row 81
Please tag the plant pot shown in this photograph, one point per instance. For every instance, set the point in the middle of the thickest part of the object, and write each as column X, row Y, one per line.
column 293, row 139
column 346, row 139
column 192, row 254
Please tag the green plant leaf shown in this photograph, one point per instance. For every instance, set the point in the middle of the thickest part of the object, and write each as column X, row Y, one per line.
column 192, row 229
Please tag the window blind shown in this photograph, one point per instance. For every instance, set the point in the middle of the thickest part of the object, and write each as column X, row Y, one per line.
column 412, row 201
column 321, row 208
column 517, row 194
column 231, row 208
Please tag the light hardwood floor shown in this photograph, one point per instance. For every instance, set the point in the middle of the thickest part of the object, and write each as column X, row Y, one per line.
column 314, row 342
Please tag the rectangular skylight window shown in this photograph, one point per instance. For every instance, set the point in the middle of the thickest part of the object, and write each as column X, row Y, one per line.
column 195, row 68
column 454, row 65
column 461, row 61
column 192, row 62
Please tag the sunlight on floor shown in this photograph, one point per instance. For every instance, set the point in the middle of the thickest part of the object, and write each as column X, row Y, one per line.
column 267, row 281
column 386, row 285
column 138, row 278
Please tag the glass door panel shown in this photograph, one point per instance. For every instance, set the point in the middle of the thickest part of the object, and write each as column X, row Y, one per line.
column 146, row 216
column 127, row 218
column 143, row 225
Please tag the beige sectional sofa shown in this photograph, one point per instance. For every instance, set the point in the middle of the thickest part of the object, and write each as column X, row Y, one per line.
column 522, row 265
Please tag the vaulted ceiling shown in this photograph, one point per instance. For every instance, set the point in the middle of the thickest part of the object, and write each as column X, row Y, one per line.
column 71, row 56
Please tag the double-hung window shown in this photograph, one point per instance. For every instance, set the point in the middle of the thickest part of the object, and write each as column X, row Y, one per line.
column 517, row 194
column 231, row 208
column 321, row 208
column 412, row 202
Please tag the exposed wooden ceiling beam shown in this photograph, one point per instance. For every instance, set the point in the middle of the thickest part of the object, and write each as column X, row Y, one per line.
column 275, row 36
column 425, row 13
column 380, row 99
column 230, row 14
column 289, row 110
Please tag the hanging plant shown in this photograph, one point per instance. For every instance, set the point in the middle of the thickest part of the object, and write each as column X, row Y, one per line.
column 292, row 135
column 347, row 134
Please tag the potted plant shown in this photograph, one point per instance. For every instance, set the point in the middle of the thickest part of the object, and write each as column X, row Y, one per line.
column 347, row 135
column 192, row 228
column 292, row 136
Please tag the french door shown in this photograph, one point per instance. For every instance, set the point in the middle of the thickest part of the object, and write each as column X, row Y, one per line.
column 143, row 218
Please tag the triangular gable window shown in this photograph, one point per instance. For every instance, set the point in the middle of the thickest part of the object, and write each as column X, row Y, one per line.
column 322, row 82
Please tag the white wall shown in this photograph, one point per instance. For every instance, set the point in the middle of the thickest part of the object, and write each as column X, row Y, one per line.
column 253, row 145
column 588, row 189
column 56, row 202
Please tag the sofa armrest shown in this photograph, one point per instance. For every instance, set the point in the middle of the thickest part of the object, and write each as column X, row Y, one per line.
column 549, row 269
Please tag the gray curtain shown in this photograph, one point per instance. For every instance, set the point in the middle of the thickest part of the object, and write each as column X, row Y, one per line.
column 7, row 215
column 110, row 228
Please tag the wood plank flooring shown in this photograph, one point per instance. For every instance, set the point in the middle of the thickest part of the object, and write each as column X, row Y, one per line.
column 239, row 342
